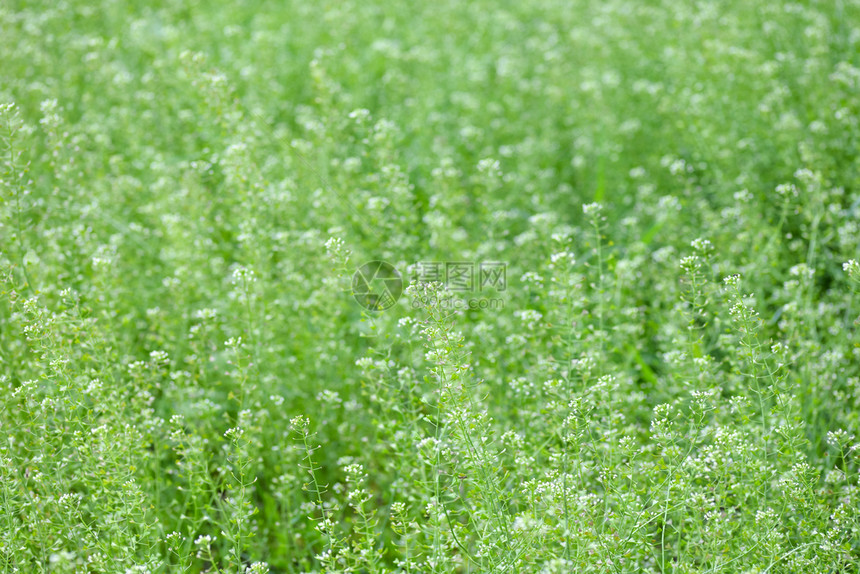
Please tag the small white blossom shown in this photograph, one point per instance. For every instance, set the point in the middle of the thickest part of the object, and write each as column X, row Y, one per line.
column 592, row 209
column 702, row 245
column 732, row 280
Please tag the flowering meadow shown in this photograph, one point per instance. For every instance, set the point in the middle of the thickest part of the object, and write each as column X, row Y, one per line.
column 361, row 286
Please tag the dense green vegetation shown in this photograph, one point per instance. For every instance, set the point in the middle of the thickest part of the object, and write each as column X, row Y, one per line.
column 669, row 380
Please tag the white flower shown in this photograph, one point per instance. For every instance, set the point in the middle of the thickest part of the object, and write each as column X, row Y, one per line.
column 364, row 363
column 329, row 397
column 530, row 317
column 732, row 280
column 334, row 244
column 300, row 423
column 702, row 245
column 562, row 256
column 531, row 277
column 490, row 167
column 679, row 166
column 360, row 115
column 801, row 270
column 786, row 190
column 839, row 438
column 276, row 400
column 234, row 434
column 351, row 165
column 592, row 209
column 243, row 275
column 743, row 195
column 205, row 314
column 257, row 568
column 691, row 263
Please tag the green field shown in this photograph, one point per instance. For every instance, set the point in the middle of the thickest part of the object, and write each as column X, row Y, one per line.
column 613, row 325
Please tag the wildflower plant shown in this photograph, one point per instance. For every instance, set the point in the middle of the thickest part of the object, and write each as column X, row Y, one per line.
column 191, row 382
